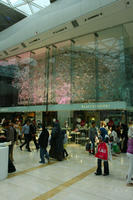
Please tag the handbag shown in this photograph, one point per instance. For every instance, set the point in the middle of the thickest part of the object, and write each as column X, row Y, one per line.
column 102, row 151
column 116, row 148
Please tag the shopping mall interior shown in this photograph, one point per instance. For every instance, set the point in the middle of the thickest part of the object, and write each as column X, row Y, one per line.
column 68, row 62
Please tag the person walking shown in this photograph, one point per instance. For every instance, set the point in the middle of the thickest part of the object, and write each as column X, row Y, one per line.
column 26, row 132
column 92, row 136
column 56, row 142
column 33, row 133
column 65, row 141
column 43, row 143
column 20, row 132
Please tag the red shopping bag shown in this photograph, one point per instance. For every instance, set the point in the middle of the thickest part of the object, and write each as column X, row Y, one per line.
column 102, row 151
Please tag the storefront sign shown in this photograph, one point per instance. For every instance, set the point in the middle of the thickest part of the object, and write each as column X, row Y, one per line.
column 104, row 106
column 118, row 105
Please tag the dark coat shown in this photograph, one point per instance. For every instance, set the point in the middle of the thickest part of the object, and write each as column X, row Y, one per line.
column 56, row 142
column 43, row 138
column 32, row 129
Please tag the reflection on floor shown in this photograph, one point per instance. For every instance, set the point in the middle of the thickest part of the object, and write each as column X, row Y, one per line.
column 71, row 179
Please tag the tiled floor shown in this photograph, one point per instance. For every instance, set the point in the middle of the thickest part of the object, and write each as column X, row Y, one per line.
column 71, row 179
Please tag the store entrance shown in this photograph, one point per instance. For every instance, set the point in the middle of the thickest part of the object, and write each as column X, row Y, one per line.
column 86, row 117
column 48, row 118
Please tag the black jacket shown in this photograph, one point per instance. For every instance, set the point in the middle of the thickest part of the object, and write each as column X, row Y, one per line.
column 32, row 129
column 43, row 138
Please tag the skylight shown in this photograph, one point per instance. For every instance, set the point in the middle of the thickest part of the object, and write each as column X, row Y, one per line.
column 27, row 7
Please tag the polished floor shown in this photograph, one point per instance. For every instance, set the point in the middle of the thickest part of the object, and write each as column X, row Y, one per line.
column 71, row 179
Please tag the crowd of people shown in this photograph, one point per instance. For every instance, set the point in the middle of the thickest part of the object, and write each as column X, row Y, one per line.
column 111, row 140
column 22, row 135
column 118, row 136
column 103, row 142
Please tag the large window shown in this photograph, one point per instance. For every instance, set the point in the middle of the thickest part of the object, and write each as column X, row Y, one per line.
column 25, row 6
column 93, row 68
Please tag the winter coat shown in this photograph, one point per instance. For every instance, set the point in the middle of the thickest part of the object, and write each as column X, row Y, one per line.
column 43, row 138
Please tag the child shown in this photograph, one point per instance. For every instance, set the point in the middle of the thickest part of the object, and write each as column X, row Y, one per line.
column 43, row 142
column 102, row 154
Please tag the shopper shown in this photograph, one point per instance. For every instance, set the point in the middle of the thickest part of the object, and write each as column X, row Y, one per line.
column 102, row 154
column 27, row 137
column 119, row 135
column 9, row 134
column 9, row 131
column 20, row 132
column 13, row 129
column 33, row 133
column 16, row 126
column 130, row 155
column 56, row 142
column 124, row 137
column 115, row 141
column 103, row 132
column 92, row 135
column 43, row 142
column 65, row 141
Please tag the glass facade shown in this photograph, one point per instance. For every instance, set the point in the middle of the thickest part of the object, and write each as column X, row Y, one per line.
column 26, row 7
column 92, row 68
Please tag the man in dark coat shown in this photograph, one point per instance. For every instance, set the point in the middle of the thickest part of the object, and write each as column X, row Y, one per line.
column 43, row 142
column 33, row 133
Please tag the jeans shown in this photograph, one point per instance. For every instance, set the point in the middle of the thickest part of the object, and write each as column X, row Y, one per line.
column 35, row 142
column 27, row 141
column 43, row 152
column 93, row 147
column 106, row 167
column 130, row 170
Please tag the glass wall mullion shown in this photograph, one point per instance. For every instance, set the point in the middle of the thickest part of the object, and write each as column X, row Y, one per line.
column 96, row 67
column 47, row 77
column 71, row 70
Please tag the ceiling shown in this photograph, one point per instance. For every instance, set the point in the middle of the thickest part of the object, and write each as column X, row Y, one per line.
column 27, row 7
column 12, row 11
column 112, row 16
column 9, row 16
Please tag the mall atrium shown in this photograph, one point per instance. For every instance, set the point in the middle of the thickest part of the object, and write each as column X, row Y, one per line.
column 66, row 62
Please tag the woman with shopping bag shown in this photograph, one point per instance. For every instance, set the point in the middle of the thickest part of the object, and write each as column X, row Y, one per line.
column 102, row 154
